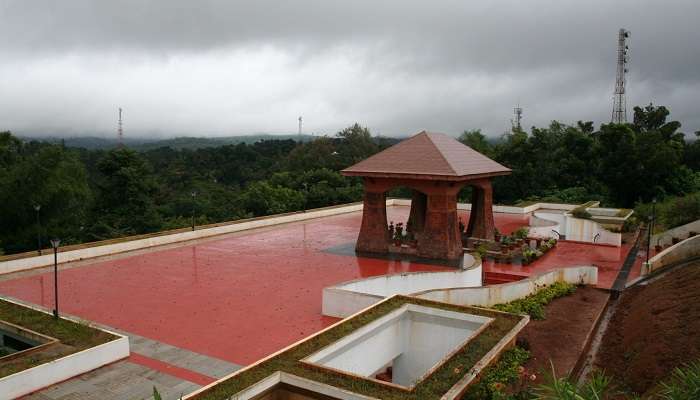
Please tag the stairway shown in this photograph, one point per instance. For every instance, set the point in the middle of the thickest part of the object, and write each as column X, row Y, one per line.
column 496, row 278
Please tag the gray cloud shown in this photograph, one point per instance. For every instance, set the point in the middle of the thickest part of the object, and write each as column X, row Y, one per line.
column 223, row 67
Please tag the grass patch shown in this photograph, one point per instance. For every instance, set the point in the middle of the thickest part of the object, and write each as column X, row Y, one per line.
column 73, row 336
column 432, row 388
column 623, row 212
column 498, row 377
column 533, row 305
column 684, row 383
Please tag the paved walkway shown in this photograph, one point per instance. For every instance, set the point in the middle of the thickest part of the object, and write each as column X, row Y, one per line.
column 173, row 371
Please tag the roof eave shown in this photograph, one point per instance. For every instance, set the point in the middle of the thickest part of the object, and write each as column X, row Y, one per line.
column 430, row 177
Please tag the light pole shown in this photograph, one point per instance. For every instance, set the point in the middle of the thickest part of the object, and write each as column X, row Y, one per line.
column 194, row 195
column 651, row 226
column 37, row 207
column 55, row 243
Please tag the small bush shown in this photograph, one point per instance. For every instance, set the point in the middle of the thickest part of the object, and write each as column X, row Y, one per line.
column 598, row 387
column 533, row 304
column 684, row 383
column 495, row 379
column 581, row 213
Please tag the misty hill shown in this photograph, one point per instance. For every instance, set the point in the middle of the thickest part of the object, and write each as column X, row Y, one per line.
column 185, row 142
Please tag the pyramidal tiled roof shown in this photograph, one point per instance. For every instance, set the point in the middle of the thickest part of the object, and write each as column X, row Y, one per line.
column 428, row 155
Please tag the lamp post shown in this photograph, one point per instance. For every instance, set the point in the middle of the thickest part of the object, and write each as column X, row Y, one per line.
column 651, row 226
column 37, row 207
column 55, row 243
column 194, row 195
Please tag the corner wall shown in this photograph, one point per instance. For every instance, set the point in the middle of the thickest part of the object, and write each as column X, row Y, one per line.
column 687, row 249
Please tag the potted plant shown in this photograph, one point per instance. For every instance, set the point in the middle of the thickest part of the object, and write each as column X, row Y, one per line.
column 411, row 239
column 398, row 234
column 496, row 235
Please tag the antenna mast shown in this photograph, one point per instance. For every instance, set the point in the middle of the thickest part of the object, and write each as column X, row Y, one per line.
column 300, row 126
column 120, row 131
column 518, row 111
column 619, row 112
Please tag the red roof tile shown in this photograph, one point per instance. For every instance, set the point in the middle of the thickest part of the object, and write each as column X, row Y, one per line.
column 428, row 155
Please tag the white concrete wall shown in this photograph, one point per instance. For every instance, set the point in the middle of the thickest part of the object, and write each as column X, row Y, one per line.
column 33, row 379
column 487, row 296
column 108, row 249
column 347, row 298
column 681, row 232
column 586, row 230
column 686, row 249
column 543, row 228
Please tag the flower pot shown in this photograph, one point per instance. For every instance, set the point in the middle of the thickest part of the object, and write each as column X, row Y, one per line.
column 497, row 237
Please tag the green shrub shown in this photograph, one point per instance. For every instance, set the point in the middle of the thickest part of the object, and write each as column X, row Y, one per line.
column 495, row 379
column 581, row 213
column 598, row 387
column 684, row 383
column 521, row 233
column 672, row 211
column 533, row 304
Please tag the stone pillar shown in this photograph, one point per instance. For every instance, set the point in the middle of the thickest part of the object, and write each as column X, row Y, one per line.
column 374, row 232
column 441, row 238
column 481, row 223
column 418, row 207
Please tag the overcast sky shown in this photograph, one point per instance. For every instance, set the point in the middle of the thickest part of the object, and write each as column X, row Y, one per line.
column 219, row 68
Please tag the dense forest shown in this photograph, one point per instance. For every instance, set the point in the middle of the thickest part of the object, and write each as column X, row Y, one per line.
column 93, row 194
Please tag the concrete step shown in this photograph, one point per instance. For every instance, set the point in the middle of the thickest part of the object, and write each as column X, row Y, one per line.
column 495, row 278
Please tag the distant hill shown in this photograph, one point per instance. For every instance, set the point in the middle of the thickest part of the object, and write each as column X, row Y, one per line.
column 185, row 142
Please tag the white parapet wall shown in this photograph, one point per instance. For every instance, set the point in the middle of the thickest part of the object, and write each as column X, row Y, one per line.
column 47, row 374
column 586, row 230
column 487, row 296
column 542, row 227
column 26, row 263
column 680, row 232
column 349, row 297
column 684, row 250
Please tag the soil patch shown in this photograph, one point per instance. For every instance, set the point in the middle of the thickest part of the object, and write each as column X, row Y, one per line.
column 655, row 328
column 562, row 335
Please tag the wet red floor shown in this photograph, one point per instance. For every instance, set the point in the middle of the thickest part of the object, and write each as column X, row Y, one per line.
column 241, row 298
column 608, row 259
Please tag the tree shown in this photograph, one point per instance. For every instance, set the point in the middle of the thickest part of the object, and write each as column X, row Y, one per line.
column 356, row 144
column 477, row 141
column 262, row 198
column 45, row 175
column 126, row 195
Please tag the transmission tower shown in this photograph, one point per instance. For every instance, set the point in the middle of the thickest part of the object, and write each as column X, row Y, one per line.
column 120, row 131
column 619, row 112
column 300, row 126
column 518, row 111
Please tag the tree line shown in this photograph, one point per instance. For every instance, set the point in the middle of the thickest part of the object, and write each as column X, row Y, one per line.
column 87, row 195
